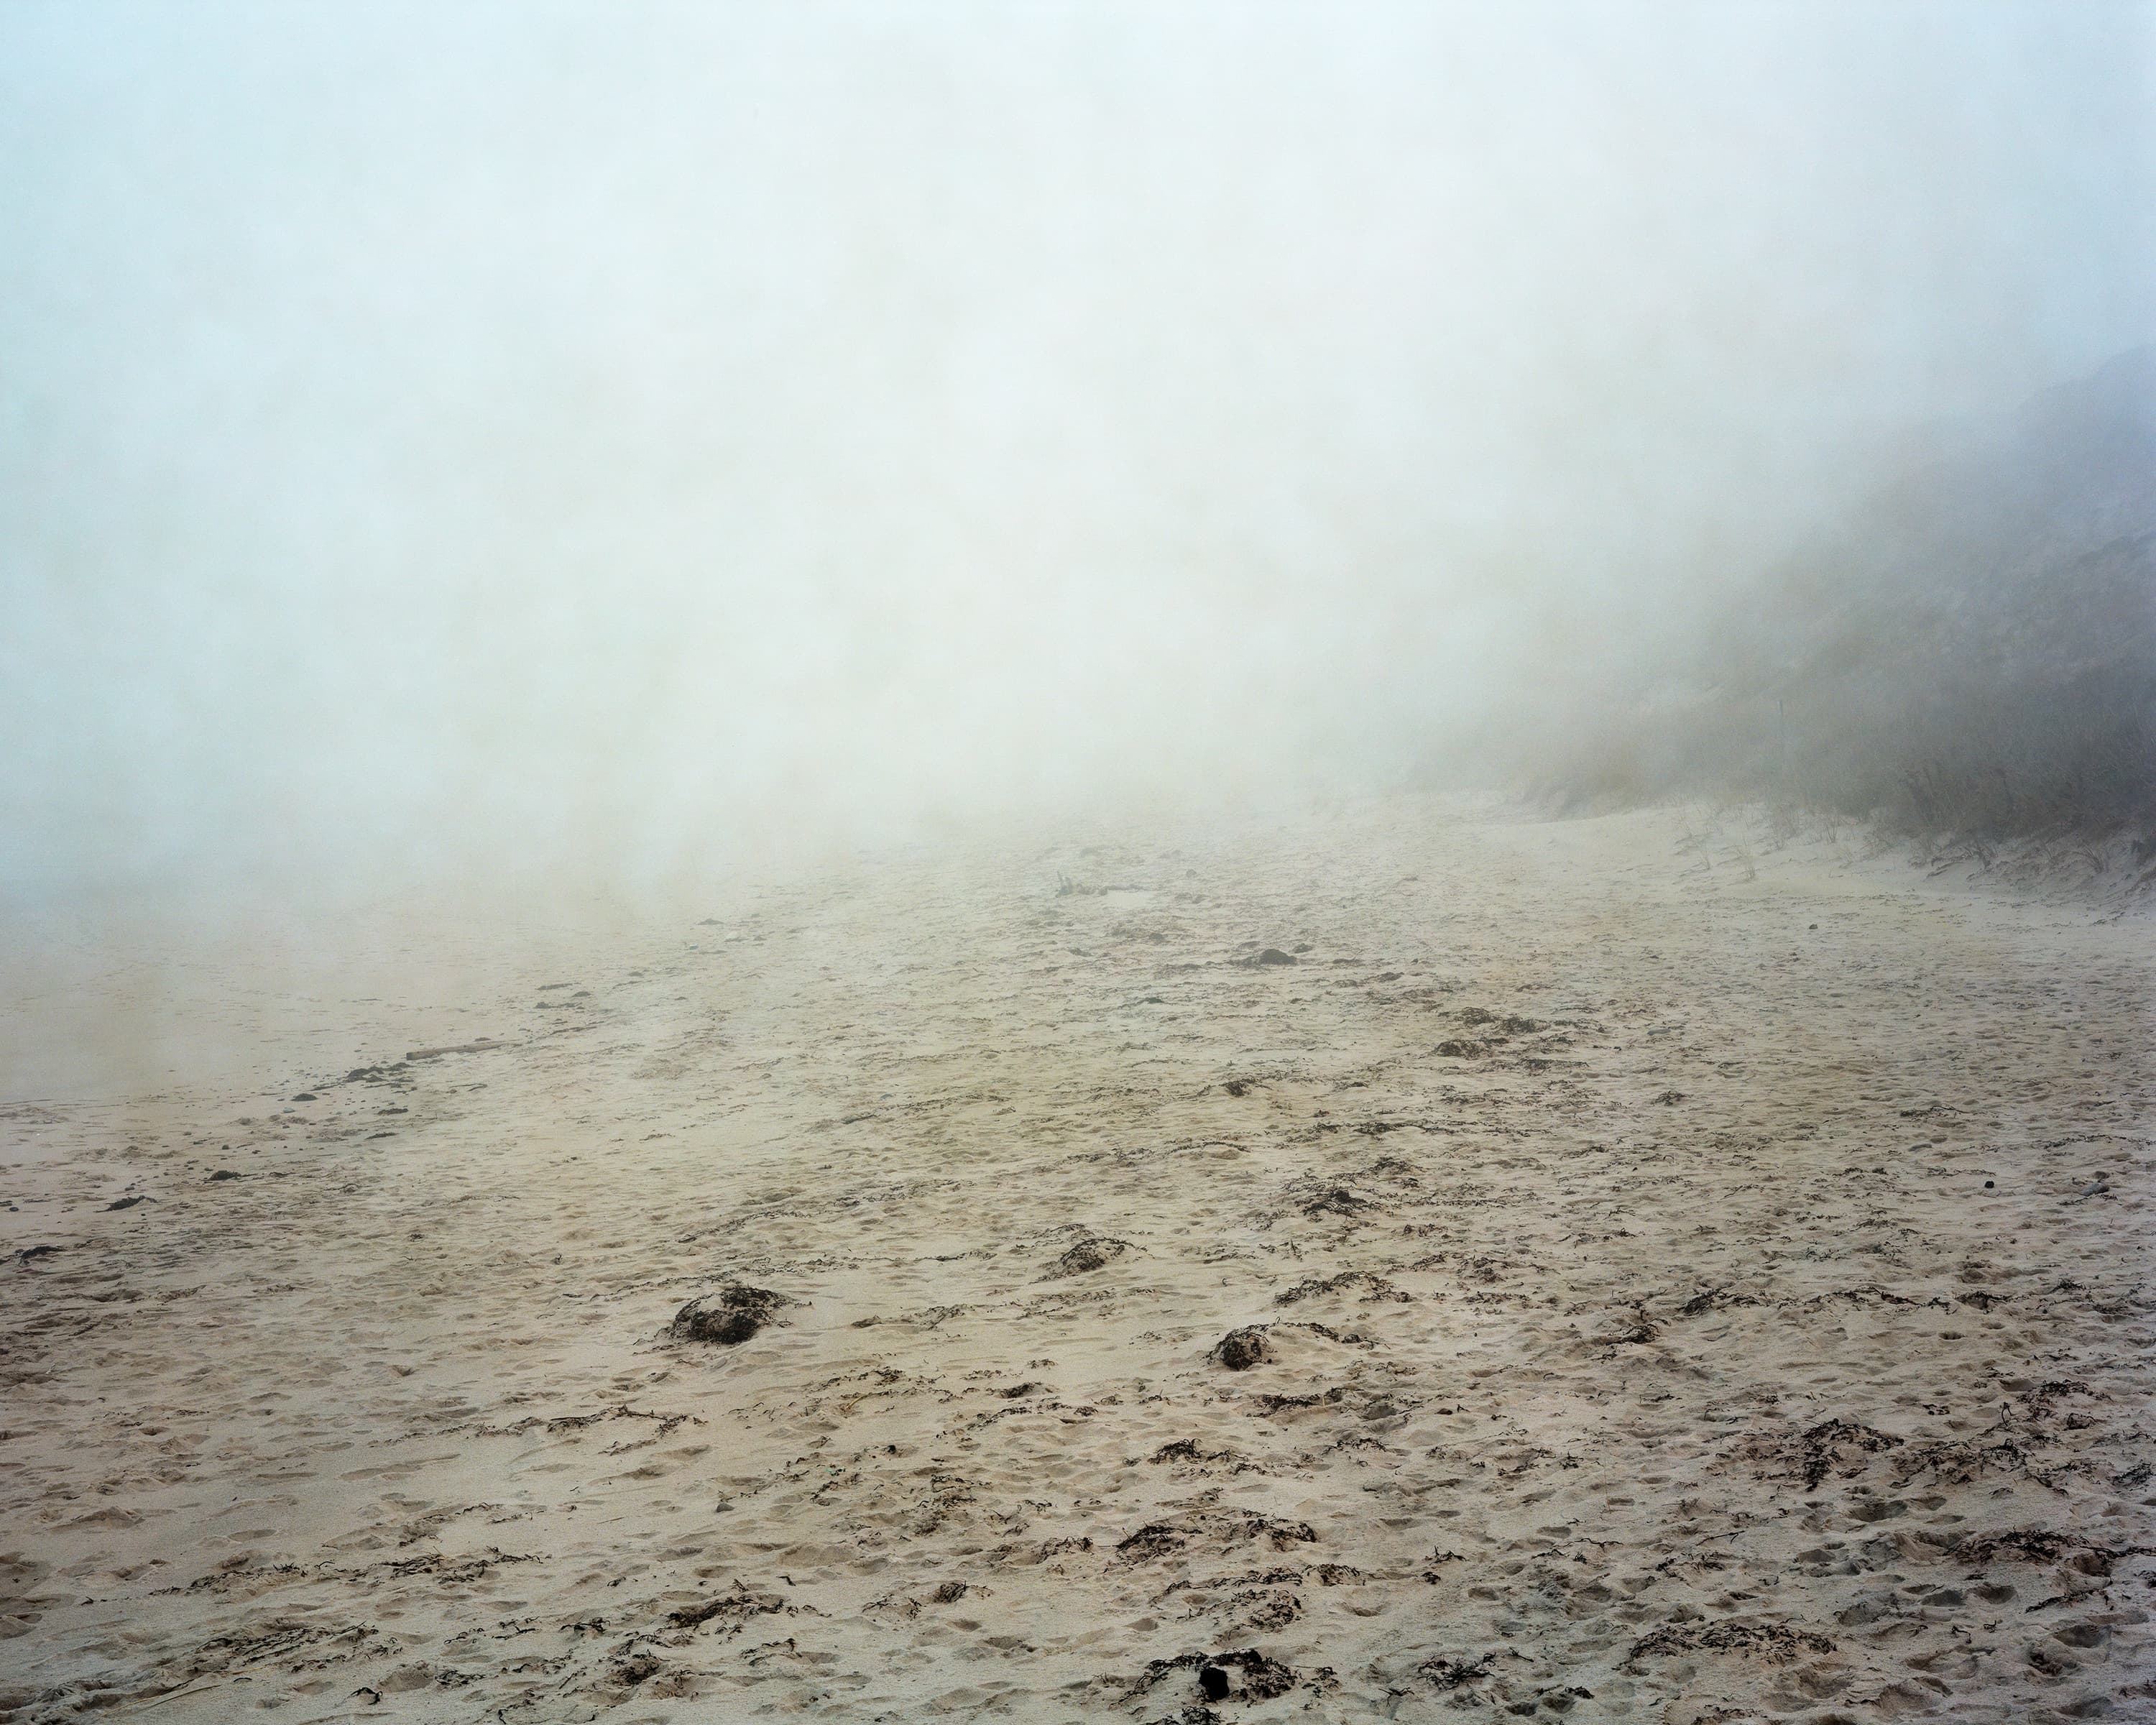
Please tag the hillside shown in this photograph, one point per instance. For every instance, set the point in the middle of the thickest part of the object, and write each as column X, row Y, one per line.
column 1973, row 652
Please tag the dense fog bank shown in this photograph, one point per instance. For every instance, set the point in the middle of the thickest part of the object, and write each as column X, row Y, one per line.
column 515, row 444
column 1972, row 652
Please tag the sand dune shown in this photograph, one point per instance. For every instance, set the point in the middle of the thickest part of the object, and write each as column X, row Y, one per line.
column 1615, row 1271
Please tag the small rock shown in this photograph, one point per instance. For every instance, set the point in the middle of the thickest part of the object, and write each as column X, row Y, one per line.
column 1214, row 1681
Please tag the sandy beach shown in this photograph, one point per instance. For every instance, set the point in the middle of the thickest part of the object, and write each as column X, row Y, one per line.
column 1397, row 1262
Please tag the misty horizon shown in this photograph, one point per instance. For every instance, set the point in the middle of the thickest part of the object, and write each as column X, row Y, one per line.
column 627, row 444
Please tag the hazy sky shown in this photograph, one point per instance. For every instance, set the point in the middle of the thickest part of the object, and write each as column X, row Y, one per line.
column 465, row 435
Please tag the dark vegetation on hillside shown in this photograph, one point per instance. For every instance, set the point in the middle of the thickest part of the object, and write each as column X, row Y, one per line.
column 1974, row 654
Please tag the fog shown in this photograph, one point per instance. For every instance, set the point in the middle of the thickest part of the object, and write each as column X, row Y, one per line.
column 632, row 443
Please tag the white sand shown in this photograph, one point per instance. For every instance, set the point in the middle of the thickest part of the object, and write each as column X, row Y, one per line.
column 390, row 1425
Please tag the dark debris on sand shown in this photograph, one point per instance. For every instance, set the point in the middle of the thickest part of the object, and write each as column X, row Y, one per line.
column 1776, row 1643
column 1245, row 1674
column 1093, row 1253
column 1239, row 1350
column 729, row 1317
